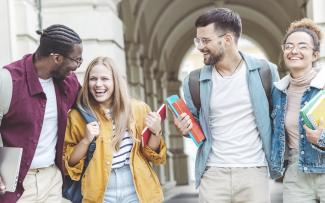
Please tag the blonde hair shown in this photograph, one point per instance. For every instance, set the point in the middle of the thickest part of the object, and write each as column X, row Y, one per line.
column 121, row 102
column 308, row 26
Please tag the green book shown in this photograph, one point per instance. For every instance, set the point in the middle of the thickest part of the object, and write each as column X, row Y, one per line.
column 305, row 111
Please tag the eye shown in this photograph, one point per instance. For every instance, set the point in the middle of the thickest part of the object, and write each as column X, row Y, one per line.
column 205, row 40
column 92, row 79
column 288, row 46
column 302, row 46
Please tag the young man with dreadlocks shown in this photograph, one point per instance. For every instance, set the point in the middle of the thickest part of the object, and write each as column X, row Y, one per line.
column 43, row 90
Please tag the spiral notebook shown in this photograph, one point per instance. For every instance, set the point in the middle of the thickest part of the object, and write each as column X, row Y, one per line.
column 10, row 158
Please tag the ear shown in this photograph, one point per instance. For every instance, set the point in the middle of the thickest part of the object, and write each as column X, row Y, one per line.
column 57, row 58
column 229, row 39
column 315, row 56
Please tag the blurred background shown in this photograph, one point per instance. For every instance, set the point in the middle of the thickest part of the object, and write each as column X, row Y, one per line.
column 152, row 43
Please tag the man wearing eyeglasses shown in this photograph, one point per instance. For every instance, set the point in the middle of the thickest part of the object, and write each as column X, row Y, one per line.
column 231, row 165
column 42, row 89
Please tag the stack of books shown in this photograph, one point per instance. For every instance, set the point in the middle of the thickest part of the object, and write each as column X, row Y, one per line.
column 178, row 106
column 314, row 110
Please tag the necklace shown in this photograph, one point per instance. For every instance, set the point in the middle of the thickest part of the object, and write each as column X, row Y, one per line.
column 241, row 59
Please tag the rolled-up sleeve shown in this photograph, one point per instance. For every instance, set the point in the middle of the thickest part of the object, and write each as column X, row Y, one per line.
column 75, row 126
column 158, row 157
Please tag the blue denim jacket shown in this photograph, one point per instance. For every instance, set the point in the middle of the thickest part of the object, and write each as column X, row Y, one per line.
column 258, row 99
column 311, row 157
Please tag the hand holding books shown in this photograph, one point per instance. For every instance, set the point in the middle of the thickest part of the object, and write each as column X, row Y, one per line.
column 314, row 135
column 146, row 133
column 313, row 115
column 187, row 123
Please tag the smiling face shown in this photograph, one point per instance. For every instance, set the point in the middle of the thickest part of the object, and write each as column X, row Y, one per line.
column 69, row 63
column 298, row 53
column 211, row 44
column 101, row 85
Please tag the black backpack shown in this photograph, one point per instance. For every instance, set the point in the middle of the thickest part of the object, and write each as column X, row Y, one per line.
column 264, row 72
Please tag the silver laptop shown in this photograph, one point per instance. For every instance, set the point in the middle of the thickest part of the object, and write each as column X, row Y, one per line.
column 10, row 158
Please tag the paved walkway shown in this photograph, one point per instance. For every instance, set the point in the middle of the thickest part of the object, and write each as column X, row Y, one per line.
column 188, row 194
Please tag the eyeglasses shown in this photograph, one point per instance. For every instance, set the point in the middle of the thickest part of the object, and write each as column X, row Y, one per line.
column 202, row 42
column 78, row 61
column 288, row 47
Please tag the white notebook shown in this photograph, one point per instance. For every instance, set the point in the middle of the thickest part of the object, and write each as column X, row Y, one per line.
column 10, row 158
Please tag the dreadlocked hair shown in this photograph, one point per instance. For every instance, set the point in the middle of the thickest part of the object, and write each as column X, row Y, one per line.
column 57, row 39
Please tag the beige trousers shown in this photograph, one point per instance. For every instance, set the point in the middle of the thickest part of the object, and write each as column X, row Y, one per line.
column 42, row 186
column 300, row 187
column 235, row 185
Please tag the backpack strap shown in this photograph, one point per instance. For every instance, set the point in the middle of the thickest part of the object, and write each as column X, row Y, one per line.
column 194, row 85
column 266, row 78
column 6, row 94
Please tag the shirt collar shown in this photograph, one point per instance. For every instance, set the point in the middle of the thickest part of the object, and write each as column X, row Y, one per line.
column 33, row 83
column 318, row 82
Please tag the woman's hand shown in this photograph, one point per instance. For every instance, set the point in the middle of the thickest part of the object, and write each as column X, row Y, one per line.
column 314, row 135
column 92, row 131
column 153, row 122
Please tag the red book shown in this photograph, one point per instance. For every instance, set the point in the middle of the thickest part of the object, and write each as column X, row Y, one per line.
column 178, row 106
column 146, row 133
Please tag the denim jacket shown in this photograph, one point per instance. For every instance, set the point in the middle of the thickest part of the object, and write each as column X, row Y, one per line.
column 259, row 103
column 311, row 157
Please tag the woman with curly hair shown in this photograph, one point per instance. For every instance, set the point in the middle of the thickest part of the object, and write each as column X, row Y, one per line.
column 304, row 176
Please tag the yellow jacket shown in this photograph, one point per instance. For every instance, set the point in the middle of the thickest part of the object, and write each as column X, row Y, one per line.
column 97, row 174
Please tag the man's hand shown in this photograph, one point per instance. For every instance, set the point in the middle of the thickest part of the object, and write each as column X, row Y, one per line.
column 183, row 123
column 2, row 187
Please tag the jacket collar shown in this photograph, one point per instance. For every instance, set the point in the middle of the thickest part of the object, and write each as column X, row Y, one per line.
column 318, row 82
column 34, row 86
column 251, row 64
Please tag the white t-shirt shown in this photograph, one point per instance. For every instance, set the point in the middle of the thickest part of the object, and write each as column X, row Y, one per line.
column 45, row 151
column 235, row 138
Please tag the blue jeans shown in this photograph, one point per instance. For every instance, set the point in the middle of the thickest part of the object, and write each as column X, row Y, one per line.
column 120, row 187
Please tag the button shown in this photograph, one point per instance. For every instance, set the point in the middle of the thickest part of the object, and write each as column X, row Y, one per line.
column 301, row 136
column 108, row 162
column 305, row 102
column 18, row 195
column 302, row 152
column 305, row 168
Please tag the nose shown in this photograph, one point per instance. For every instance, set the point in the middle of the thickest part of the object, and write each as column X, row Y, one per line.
column 295, row 50
column 98, row 82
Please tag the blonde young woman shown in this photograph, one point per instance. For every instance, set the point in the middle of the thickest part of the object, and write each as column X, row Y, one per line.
column 304, row 179
column 119, row 170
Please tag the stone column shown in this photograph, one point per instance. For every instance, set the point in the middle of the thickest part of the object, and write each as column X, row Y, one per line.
column 315, row 11
column 97, row 23
column 176, row 140
column 150, row 83
column 135, row 70
column 6, row 32
column 18, row 25
column 162, row 94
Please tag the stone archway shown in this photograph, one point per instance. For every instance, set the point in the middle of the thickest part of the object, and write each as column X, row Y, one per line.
column 158, row 34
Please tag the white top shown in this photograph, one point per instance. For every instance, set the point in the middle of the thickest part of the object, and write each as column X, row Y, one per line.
column 6, row 94
column 122, row 157
column 235, row 138
column 45, row 151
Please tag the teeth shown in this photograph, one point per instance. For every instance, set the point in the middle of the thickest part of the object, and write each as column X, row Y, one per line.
column 100, row 91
